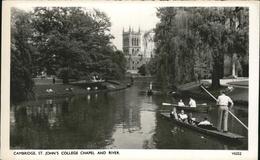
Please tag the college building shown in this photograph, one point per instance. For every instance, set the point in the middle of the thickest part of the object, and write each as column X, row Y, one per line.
column 138, row 48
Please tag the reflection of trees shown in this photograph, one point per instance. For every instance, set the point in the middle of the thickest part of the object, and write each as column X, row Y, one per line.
column 78, row 122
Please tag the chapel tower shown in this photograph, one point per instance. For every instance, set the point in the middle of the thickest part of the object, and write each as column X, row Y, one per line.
column 131, row 42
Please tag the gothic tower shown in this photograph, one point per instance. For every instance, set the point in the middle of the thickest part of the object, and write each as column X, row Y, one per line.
column 131, row 42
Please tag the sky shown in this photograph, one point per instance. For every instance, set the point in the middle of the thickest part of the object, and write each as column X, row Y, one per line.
column 122, row 16
column 134, row 16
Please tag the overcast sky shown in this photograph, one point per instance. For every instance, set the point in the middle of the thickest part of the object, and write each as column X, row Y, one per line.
column 134, row 16
column 123, row 16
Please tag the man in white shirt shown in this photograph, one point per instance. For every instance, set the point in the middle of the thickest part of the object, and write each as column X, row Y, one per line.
column 192, row 103
column 205, row 122
column 223, row 101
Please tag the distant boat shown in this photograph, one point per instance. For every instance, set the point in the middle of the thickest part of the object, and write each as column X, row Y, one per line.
column 129, row 85
column 149, row 92
column 155, row 92
column 97, row 81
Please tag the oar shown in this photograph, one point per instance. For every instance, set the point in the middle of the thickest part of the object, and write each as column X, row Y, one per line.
column 228, row 110
column 170, row 104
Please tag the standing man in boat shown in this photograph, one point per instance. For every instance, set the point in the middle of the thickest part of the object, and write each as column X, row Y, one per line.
column 192, row 103
column 150, row 89
column 151, row 86
column 223, row 102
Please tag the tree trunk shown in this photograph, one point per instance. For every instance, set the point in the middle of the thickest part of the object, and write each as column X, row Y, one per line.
column 216, row 74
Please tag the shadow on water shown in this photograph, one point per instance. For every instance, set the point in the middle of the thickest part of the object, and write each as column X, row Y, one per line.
column 71, row 123
column 171, row 136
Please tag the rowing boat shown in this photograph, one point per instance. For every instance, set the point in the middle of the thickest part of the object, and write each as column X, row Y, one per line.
column 199, row 108
column 227, row 136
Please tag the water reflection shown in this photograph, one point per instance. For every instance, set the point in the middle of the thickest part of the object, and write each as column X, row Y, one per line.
column 123, row 119
column 63, row 123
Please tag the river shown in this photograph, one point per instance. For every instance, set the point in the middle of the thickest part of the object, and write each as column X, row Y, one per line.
column 126, row 119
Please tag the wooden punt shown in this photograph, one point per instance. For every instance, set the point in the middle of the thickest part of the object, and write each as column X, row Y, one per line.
column 227, row 136
column 199, row 108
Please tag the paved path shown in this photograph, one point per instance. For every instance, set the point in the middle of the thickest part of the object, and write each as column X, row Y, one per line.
column 240, row 82
column 240, row 92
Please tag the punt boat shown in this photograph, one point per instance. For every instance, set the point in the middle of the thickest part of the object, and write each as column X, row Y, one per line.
column 199, row 108
column 215, row 133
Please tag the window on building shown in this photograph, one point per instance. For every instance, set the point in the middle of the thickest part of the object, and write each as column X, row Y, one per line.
column 125, row 41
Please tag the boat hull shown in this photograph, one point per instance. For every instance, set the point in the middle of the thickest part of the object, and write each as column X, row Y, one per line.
column 227, row 136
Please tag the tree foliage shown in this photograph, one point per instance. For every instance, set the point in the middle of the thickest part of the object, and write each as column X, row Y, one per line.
column 21, row 53
column 189, row 37
column 142, row 70
column 75, row 42
column 70, row 42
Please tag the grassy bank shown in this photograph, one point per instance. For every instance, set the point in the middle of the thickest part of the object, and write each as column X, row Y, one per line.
column 62, row 90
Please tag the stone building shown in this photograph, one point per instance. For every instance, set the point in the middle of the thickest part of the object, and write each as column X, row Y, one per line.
column 132, row 49
column 148, row 43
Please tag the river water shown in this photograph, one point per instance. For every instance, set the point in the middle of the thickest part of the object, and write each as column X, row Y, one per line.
column 126, row 119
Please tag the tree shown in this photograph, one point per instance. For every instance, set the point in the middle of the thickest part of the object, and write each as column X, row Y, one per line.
column 174, row 46
column 21, row 53
column 220, row 32
column 198, row 37
column 142, row 70
column 78, row 38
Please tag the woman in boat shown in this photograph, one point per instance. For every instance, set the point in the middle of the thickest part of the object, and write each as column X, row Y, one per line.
column 180, row 103
column 182, row 116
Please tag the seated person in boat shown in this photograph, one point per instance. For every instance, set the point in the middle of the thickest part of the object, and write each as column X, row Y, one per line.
column 206, row 124
column 191, row 120
column 182, row 116
column 192, row 103
column 180, row 103
column 173, row 113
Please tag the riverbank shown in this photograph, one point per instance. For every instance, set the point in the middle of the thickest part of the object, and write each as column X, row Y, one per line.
column 63, row 90
column 238, row 93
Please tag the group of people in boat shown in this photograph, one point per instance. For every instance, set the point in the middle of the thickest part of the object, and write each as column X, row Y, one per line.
column 224, row 103
column 192, row 103
column 189, row 119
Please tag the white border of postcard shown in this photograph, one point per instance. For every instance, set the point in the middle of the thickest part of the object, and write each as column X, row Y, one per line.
column 131, row 154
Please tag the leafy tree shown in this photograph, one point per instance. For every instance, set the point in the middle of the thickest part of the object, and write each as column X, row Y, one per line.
column 189, row 37
column 79, row 40
column 142, row 70
column 21, row 53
